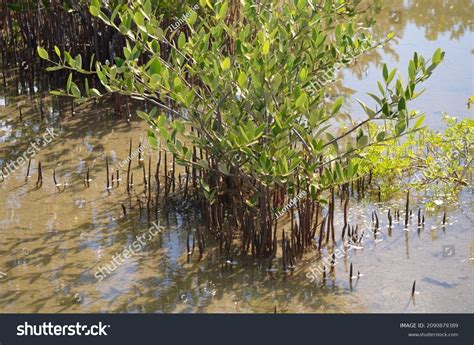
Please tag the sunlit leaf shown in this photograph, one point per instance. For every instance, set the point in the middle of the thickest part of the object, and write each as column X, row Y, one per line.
column 43, row 53
column 225, row 64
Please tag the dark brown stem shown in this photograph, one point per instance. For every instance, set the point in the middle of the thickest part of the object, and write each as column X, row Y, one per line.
column 407, row 207
column 28, row 170
column 107, row 170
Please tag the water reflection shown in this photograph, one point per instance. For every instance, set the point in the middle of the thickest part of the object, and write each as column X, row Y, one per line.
column 421, row 26
column 434, row 17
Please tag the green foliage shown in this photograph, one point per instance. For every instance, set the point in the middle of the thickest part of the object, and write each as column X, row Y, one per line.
column 437, row 164
column 247, row 88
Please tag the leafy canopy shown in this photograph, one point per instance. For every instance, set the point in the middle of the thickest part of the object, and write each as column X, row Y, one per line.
column 246, row 79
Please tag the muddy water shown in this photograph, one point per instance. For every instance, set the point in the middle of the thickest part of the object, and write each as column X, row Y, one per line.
column 53, row 241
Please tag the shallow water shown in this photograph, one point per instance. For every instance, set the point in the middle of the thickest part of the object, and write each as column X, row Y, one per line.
column 53, row 241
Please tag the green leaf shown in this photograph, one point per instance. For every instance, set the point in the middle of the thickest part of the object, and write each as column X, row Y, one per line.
column 225, row 64
column 78, row 62
column 58, row 93
column 58, row 53
column 161, row 121
column 381, row 88
column 391, row 75
column 276, row 82
column 54, row 68
column 223, row 10
column 376, row 98
column 154, row 80
column 155, row 67
column 302, row 100
column 181, row 40
column 381, row 136
column 147, row 7
column 177, row 82
column 69, row 59
column 303, row 74
column 43, row 53
column 143, row 115
column 362, row 141
column 94, row 10
column 367, row 110
column 164, row 134
column 411, row 70
column 400, row 127
column 437, row 56
column 152, row 139
column 337, row 105
column 386, row 109
column 301, row 4
column 419, row 121
column 75, row 91
column 339, row 171
column 402, row 104
column 385, row 73
column 86, row 86
column 192, row 18
column 95, row 92
column 139, row 20
column 203, row 163
column 242, row 80
column 69, row 82
column 330, row 138
column 266, row 48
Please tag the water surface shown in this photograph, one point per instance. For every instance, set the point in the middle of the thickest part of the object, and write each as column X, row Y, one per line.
column 422, row 26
